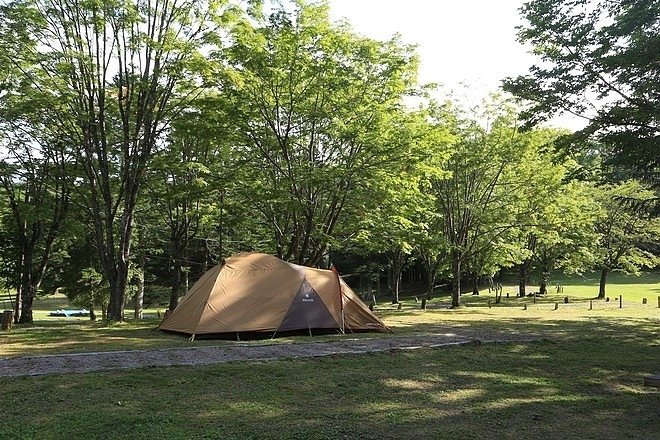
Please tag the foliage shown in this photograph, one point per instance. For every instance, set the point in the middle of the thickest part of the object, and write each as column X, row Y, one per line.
column 317, row 109
column 623, row 232
column 599, row 61
column 114, row 69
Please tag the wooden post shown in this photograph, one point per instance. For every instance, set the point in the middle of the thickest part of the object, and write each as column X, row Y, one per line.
column 620, row 301
column 524, row 306
column 489, row 304
column 507, row 294
column 371, row 306
column 644, row 301
column 591, row 304
column 556, row 306
column 398, row 307
column 423, row 303
column 565, row 300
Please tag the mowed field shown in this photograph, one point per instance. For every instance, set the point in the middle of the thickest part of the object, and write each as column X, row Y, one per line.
column 582, row 378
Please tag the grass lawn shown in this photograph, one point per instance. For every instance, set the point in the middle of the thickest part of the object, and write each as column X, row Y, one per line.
column 50, row 335
column 587, row 387
column 584, row 380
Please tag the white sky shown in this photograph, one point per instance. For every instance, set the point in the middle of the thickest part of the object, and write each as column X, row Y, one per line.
column 465, row 45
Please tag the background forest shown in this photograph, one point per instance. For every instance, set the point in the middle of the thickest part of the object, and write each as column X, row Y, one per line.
column 143, row 141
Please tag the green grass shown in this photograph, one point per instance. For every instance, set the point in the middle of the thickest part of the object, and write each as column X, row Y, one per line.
column 587, row 387
column 50, row 335
column 583, row 380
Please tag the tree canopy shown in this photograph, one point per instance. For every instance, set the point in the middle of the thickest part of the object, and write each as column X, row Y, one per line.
column 143, row 142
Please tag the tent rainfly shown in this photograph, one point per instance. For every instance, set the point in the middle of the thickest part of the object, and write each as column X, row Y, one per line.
column 254, row 292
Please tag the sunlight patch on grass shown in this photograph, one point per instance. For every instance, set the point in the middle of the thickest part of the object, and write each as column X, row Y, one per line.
column 407, row 384
column 503, row 378
column 457, row 395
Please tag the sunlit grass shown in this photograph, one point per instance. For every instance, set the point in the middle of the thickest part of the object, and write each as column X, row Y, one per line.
column 49, row 335
column 576, row 388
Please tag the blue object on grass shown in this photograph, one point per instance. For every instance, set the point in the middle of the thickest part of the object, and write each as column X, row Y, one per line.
column 67, row 313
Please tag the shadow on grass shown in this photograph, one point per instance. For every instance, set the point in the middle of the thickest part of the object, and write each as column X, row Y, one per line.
column 587, row 384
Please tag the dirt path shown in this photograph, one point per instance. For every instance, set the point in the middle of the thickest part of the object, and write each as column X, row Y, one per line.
column 113, row 360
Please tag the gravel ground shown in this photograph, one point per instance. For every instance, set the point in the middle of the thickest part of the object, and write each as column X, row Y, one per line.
column 114, row 360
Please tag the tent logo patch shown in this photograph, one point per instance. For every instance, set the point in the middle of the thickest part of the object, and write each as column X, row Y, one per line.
column 307, row 298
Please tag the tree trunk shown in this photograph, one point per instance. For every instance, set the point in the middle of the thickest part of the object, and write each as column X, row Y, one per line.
column 430, row 282
column 139, row 298
column 139, row 295
column 603, row 281
column 522, row 279
column 475, row 288
column 397, row 259
column 18, row 302
column 176, row 284
column 456, row 285
column 92, row 313
column 115, row 310
column 545, row 276
column 26, row 308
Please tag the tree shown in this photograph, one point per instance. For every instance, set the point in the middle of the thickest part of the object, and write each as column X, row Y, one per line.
column 565, row 238
column 391, row 222
column 315, row 108
column 475, row 200
column 599, row 62
column 37, row 187
column 179, row 187
column 623, row 232
column 115, row 68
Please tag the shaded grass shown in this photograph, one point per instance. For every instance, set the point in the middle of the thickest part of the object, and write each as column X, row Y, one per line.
column 584, row 381
column 573, row 388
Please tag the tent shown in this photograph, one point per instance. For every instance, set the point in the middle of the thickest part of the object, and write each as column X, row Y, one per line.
column 260, row 293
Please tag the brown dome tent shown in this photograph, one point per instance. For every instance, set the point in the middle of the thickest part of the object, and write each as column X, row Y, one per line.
column 259, row 293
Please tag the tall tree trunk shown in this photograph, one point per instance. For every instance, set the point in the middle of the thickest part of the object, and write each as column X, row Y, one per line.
column 603, row 282
column 397, row 268
column 92, row 313
column 115, row 310
column 176, row 284
column 18, row 303
column 522, row 279
column 26, row 308
column 545, row 277
column 456, row 285
column 475, row 287
column 430, row 280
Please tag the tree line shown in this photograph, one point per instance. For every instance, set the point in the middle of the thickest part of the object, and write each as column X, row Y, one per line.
column 144, row 141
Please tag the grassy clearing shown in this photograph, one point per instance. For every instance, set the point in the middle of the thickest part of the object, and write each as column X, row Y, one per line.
column 587, row 387
column 50, row 335
column 583, row 381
